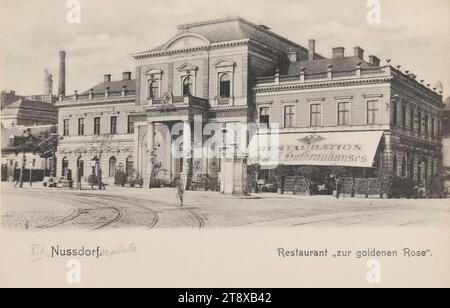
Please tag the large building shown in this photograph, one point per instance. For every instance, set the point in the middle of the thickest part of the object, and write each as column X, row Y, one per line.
column 27, row 110
column 233, row 71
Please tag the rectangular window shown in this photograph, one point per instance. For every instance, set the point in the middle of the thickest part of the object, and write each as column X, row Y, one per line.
column 372, row 112
column 264, row 116
column 404, row 116
column 344, row 113
column 315, row 115
column 412, row 118
column 289, row 114
column 80, row 126
column 395, row 114
column 97, row 126
column 66, row 127
column 113, row 126
column 425, row 127
column 438, row 128
column 419, row 122
column 130, row 125
column 433, row 124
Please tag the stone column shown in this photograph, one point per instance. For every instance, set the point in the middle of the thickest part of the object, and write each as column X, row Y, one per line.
column 151, row 152
column 187, row 154
column 136, row 154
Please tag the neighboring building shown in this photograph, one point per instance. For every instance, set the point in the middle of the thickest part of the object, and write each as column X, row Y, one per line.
column 97, row 127
column 218, row 70
column 12, row 159
column 27, row 110
column 446, row 141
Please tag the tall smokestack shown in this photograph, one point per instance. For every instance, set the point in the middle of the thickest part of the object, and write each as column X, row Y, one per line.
column 311, row 49
column 62, row 73
column 48, row 83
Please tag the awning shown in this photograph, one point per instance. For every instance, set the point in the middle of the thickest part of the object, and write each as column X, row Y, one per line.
column 350, row 149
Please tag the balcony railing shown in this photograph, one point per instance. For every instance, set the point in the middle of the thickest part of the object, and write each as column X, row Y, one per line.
column 330, row 74
column 96, row 96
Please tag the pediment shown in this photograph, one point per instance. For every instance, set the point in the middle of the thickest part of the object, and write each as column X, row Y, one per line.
column 186, row 67
column 224, row 63
column 187, row 40
column 153, row 71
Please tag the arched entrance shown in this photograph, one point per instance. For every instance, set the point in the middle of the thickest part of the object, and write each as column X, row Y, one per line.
column 64, row 167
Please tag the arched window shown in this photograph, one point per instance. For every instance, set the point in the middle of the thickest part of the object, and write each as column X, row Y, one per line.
column 394, row 165
column 404, row 166
column 187, row 86
column 225, row 86
column 95, row 163
column 419, row 169
column 80, row 165
column 129, row 166
column 411, row 167
column 112, row 166
column 153, row 90
column 65, row 167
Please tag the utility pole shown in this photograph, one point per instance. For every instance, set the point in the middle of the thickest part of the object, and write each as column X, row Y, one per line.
column 21, row 170
column 79, row 173
column 31, row 174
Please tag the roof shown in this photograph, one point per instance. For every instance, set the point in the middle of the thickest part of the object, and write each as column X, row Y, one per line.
column 114, row 86
column 233, row 29
column 321, row 65
column 22, row 103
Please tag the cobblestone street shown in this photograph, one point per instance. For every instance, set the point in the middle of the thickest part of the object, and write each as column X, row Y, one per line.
column 39, row 208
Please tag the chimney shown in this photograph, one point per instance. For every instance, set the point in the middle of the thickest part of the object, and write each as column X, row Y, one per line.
column 126, row 76
column 62, row 73
column 359, row 52
column 48, row 83
column 292, row 55
column 338, row 52
column 374, row 61
column 107, row 78
column 312, row 49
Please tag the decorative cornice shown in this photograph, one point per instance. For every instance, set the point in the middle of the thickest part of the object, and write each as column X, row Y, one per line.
column 184, row 50
column 372, row 95
column 339, row 98
column 77, row 103
column 316, row 99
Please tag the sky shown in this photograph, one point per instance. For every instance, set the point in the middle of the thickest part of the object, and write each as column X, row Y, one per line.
column 413, row 33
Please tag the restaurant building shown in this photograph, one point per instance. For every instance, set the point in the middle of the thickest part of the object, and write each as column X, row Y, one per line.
column 338, row 111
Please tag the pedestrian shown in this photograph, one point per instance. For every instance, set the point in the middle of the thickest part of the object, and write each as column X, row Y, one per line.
column 180, row 190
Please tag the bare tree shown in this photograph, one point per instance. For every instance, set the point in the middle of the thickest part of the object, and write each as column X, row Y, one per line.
column 99, row 145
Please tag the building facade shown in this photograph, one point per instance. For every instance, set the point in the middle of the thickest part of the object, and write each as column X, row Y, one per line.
column 232, row 71
column 349, row 95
